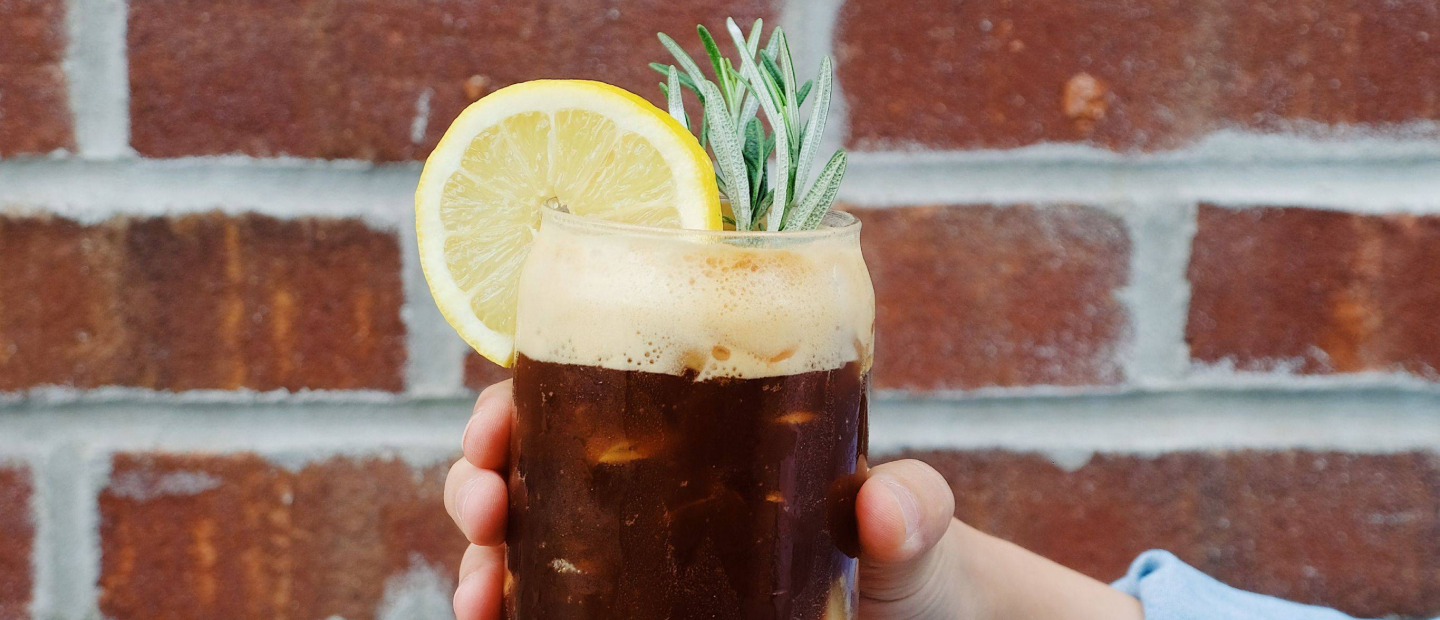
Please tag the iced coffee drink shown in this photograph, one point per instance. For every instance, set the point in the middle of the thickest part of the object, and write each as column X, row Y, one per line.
column 691, row 427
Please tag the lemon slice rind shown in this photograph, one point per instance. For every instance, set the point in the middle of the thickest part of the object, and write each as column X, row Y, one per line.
column 696, row 198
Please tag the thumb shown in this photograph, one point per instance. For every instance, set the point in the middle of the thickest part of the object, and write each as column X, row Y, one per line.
column 903, row 510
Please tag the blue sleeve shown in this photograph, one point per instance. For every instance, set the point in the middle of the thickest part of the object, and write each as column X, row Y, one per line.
column 1169, row 589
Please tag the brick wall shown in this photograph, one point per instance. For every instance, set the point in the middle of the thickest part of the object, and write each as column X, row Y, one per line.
column 1151, row 273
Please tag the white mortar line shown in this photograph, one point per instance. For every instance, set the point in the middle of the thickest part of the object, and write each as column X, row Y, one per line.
column 72, row 533
column 422, row 433
column 880, row 180
column 1306, row 142
column 94, row 191
column 427, row 433
column 98, row 77
column 436, row 383
column 1357, row 421
column 1158, row 293
column 435, row 362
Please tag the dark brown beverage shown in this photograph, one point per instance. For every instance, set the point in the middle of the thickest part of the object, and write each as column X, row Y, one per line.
column 691, row 424
column 639, row 495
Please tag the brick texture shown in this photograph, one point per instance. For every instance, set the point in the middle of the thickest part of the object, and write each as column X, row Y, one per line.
column 34, row 110
column 480, row 372
column 1130, row 75
column 314, row 78
column 236, row 536
column 1356, row 532
column 199, row 302
column 1315, row 292
column 981, row 296
column 17, row 537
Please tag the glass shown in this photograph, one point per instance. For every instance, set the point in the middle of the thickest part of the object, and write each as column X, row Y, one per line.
column 691, row 422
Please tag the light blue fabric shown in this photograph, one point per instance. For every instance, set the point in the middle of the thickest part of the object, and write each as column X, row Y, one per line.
column 1169, row 589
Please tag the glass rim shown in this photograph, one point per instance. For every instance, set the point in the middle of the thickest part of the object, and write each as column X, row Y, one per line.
column 836, row 224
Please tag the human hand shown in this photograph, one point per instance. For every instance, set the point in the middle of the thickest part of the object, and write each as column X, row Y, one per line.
column 916, row 561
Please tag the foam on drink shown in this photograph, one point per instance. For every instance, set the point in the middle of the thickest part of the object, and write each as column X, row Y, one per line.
column 660, row 302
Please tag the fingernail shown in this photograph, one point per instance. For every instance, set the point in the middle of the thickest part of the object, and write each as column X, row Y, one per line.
column 909, row 506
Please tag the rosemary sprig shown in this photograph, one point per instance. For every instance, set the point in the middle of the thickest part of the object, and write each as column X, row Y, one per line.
column 762, row 196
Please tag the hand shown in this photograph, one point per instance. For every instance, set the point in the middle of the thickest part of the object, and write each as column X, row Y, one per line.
column 916, row 561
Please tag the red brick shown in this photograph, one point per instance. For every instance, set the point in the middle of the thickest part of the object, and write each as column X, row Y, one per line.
column 17, row 539
column 1316, row 292
column 343, row 80
column 982, row 296
column 34, row 110
column 50, row 264
column 1095, row 519
column 200, row 302
column 480, row 372
column 1357, row 532
column 237, row 536
column 1130, row 75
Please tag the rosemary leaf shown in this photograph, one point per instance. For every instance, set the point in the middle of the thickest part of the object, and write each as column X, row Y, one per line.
column 755, row 155
column 773, row 46
column 675, row 98
column 763, row 208
column 804, row 92
column 811, row 210
column 718, row 62
column 815, row 127
column 713, row 51
column 751, row 106
column 773, row 197
column 683, row 58
column 772, row 71
column 787, row 75
column 753, row 42
column 685, row 80
column 725, row 144
column 779, row 175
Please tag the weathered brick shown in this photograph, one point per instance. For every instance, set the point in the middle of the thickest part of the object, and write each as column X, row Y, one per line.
column 237, row 536
column 17, row 540
column 200, row 302
column 349, row 80
column 982, row 296
column 1131, row 75
column 1315, row 292
column 480, row 372
column 1095, row 519
column 1357, row 532
column 34, row 109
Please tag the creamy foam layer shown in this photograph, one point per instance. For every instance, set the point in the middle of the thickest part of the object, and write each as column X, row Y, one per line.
column 670, row 305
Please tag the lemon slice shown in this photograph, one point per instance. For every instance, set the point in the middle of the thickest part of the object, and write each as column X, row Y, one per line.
column 596, row 149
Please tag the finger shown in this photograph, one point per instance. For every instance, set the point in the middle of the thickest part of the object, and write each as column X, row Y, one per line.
column 480, row 557
column 486, row 442
column 475, row 499
column 902, row 510
column 481, row 589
